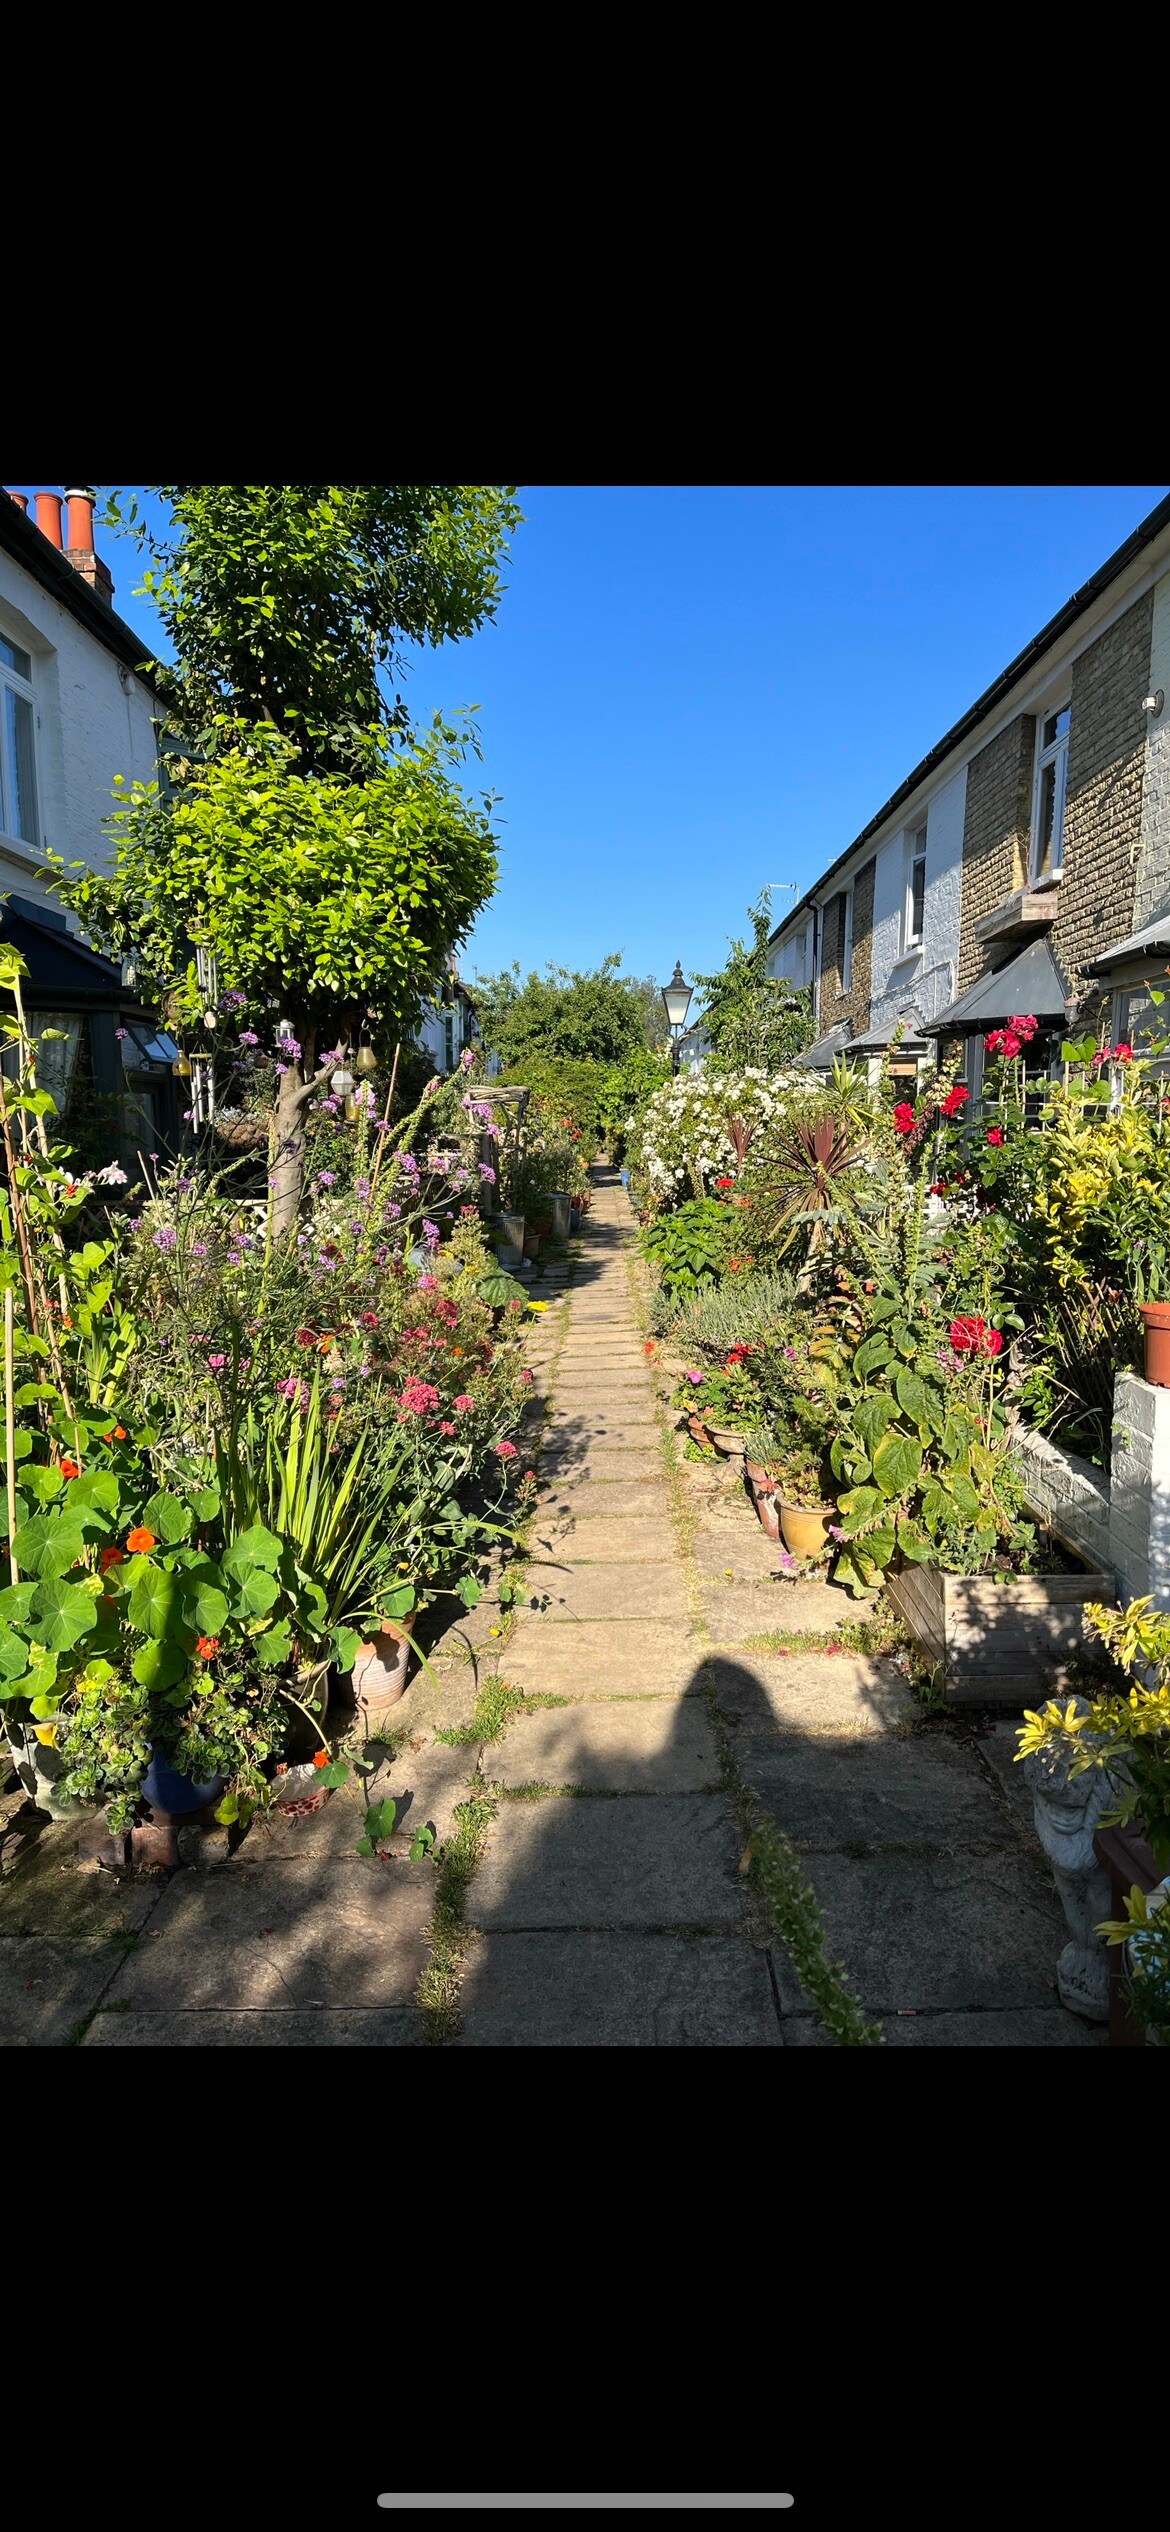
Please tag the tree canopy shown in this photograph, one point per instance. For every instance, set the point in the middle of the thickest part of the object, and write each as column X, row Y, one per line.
column 594, row 1015
column 285, row 601
column 751, row 1017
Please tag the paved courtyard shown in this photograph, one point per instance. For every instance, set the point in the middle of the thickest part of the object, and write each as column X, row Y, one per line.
column 602, row 1894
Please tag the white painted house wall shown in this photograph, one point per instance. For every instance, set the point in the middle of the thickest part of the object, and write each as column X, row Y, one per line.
column 93, row 720
column 919, row 981
column 792, row 957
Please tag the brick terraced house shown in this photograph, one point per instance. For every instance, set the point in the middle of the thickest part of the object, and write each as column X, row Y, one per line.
column 1024, row 865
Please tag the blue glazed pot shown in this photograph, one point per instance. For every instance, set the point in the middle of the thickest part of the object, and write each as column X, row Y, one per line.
column 166, row 1790
column 625, row 1177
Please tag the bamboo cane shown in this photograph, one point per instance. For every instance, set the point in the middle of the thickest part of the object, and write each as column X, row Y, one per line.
column 10, row 1430
column 385, row 1121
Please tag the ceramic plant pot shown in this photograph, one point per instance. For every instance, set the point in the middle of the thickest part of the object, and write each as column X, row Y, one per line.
column 805, row 1531
column 1156, row 1315
column 382, row 1668
column 727, row 1442
column 699, row 1432
column 763, row 1494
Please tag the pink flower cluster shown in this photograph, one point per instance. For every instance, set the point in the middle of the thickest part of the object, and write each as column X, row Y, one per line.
column 1019, row 1033
column 1122, row 1053
column 418, row 1398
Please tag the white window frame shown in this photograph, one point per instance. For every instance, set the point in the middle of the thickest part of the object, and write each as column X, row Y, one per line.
column 847, row 942
column 22, row 686
column 1055, row 755
column 915, row 853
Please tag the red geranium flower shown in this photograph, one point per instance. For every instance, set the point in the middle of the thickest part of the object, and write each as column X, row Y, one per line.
column 973, row 1336
column 1022, row 1025
column 725, row 1182
column 904, row 1117
column 955, row 1099
column 994, row 1042
column 995, row 1134
column 1011, row 1043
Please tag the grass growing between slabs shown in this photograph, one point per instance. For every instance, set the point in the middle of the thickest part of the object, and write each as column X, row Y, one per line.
column 437, row 1993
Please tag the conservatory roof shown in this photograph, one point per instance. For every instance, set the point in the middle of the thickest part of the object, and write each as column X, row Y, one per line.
column 819, row 1056
column 1153, row 941
column 1030, row 982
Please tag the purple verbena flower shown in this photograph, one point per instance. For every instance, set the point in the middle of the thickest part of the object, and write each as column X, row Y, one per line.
column 166, row 1239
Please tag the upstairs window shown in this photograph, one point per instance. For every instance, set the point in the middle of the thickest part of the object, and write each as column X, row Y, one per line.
column 1051, row 793
column 18, row 779
column 915, row 917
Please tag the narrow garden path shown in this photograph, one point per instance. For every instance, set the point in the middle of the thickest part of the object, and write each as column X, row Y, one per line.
column 600, row 1767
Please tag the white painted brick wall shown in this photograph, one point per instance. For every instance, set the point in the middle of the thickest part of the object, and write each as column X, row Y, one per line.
column 1123, row 1519
column 94, row 720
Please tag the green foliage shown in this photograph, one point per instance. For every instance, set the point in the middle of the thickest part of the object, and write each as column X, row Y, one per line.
column 285, row 602
column 750, row 1017
column 582, row 1017
column 1126, row 1736
column 337, row 901
column 690, row 1248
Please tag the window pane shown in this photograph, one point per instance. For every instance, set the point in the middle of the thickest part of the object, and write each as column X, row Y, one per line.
column 11, row 657
column 1046, row 821
column 1057, row 724
column 918, row 897
column 20, row 804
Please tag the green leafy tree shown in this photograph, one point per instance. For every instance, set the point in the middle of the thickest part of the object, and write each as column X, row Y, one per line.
column 331, row 901
column 751, row 1017
column 285, row 603
column 595, row 1016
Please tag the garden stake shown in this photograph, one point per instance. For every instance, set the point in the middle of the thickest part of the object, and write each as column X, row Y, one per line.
column 385, row 1121
column 18, row 1222
column 10, row 1431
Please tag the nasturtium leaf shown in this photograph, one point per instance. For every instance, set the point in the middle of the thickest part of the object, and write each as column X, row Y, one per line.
column 155, row 1601
column 159, row 1664
column 205, row 1503
column 62, row 1613
column 96, row 1491
column 254, row 1547
column 274, row 1646
column 167, row 1517
column 348, row 1645
column 13, row 1654
column 42, row 1483
column 15, row 1602
column 470, row 1592
column 255, row 1591
column 381, row 1816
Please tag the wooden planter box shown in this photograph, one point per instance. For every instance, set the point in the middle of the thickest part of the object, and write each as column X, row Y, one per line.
column 1001, row 1644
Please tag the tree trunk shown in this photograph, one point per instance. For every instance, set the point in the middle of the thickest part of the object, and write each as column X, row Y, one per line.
column 288, row 1166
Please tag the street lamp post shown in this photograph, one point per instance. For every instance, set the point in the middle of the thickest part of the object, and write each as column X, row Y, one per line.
column 676, row 1000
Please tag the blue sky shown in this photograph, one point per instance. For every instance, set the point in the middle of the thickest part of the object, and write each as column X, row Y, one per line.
column 693, row 689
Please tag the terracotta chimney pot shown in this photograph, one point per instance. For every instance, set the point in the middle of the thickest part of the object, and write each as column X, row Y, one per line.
column 80, row 502
column 49, row 517
column 21, row 500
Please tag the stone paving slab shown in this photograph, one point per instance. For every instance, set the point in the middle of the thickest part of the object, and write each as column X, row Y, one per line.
column 736, row 1611
column 299, row 1936
column 655, row 1744
column 604, row 1430
column 938, row 1933
column 606, row 1499
column 731, row 1546
column 999, row 1748
column 401, row 2028
column 586, row 1592
column 601, row 1660
column 632, row 1541
column 426, row 1784
column 619, row 1398
column 42, row 1891
column 811, row 1693
column 1030, row 2028
column 47, row 1988
column 560, row 1466
column 609, row 1860
column 876, row 1790
column 617, row 1991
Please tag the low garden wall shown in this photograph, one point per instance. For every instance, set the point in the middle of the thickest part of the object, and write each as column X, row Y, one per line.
column 1120, row 1518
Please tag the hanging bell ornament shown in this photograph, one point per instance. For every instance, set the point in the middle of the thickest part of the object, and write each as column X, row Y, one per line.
column 182, row 1066
column 366, row 1062
column 352, row 1110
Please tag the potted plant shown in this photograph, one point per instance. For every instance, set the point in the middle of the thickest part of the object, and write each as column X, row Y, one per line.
column 801, row 1492
column 381, row 1664
column 760, row 1471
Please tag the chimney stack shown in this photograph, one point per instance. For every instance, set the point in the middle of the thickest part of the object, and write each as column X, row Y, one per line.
column 21, row 500
column 80, row 549
column 49, row 517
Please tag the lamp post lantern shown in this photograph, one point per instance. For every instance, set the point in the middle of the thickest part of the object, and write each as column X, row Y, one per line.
column 676, row 1002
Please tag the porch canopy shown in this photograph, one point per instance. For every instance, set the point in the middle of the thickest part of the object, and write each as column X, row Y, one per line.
column 1133, row 960
column 820, row 1055
column 1031, row 983
column 877, row 1041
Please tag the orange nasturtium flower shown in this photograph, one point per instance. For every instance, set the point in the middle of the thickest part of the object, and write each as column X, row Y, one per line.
column 208, row 1646
column 70, row 1468
column 320, row 1758
column 119, row 1433
column 110, row 1556
column 140, row 1542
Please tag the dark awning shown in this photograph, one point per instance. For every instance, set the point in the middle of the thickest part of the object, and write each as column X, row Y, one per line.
column 1032, row 982
column 818, row 1058
column 1152, row 942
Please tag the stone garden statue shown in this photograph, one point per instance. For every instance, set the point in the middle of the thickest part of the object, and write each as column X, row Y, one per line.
column 1067, row 1810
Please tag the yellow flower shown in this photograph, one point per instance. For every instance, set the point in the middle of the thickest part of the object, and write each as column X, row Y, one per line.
column 46, row 1733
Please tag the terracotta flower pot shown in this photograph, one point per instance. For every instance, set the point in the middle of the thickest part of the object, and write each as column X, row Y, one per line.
column 763, row 1495
column 805, row 1530
column 381, row 1668
column 699, row 1432
column 1156, row 1315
